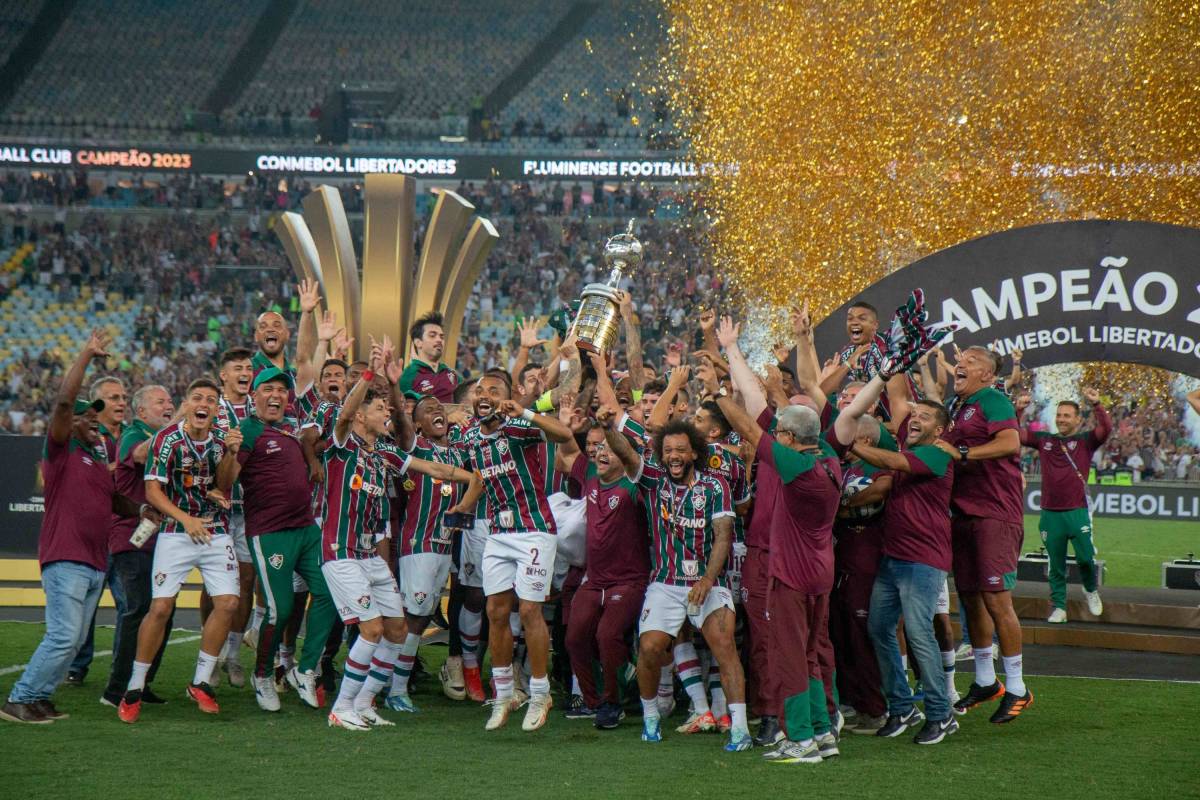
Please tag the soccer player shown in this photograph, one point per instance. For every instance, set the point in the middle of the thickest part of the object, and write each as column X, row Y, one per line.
column 272, row 470
column 1066, row 517
column 236, row 373
column 518, row 557
column 604, row 609
column 425, row 373
column 917, row 557
column 358, row 466
column 988, row 529
column 180, row 484
column 72, row 548
column 133, row 566
column 691, row 521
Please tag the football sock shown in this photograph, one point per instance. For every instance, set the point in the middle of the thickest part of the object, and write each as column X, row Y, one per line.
column 1013, row 675
column 354, row 672
column 666, row 683
column 503, row 678
column 137, row 678
column 233, row 643
column 380, row 673
column 649, row 708
column 204, row 667
column 575, row 685
column 469, row 625
column 719, row 708
column 404, row 663
column 286, row 656
column 948, row 669
column 539, row 686
column 738, row 712
column 256, row 618
column 904, row 662
column 688, row 666
column 985, row 670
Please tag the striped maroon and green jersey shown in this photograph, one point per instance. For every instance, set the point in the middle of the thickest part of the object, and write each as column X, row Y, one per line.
column 554, row 481
column 428, row 499
column 458, row 440
column 727, row 464
column 230, row 415
column 510, row 463
column 355, row 495
column 681, row 522
column 188, row 472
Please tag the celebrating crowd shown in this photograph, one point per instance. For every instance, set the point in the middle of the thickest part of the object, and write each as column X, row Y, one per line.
column 772, row 549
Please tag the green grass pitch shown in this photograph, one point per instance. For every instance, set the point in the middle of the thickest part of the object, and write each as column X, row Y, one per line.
column 1133, row 549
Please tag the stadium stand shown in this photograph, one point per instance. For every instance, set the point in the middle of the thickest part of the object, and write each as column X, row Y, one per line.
column 16, row 16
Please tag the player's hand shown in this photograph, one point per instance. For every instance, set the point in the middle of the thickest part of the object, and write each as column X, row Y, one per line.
column 855, row 360
column 781, row 351
column 197, row 529
column 801, row 321
column 151, row 513
column 674, row 355
column 309, row 293
column 511, row 409
column 948, row 448
column 1016, row 354
column 699, row 591
column 529, row 334
column 774, row 380
column 97, row 345
column 457, row 416
column 316, row 472
column 566, row 408
column 218, row 497
column 708, row 376
column 708, row 320
column 679, row 377
column 605, row 414
column 341, row 344
column 327, row 328
column 569, row 348
column 233, row 440
column 1091, row 394
column 625, row 304
column 727, row 332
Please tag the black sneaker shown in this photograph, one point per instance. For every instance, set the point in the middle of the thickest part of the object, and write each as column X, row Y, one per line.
column 933, row 732
column 977, row 695
column 327, row 680
column 75, row 678
column 1011, row 706
column 148, row 696
column 577, row 709
column 769, row 733
column 609, row 716
column 897, row 724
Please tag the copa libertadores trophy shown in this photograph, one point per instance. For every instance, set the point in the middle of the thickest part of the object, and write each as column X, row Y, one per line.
column 599, row 317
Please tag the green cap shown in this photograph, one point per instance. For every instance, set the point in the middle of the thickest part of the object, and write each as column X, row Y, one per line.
column 82, row 405
column 411, row 395
column 273, row 374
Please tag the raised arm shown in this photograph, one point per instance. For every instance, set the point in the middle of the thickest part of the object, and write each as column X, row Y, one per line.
column 747, row 383
column 568, row 382
column 808, row 366
column 735, row 415
column 633, row 341
column 883, row 459
column 309, row 293
column 354, row 400
column 529, row 339
column 661, row 413
column 402, row 425
column 607, row 416
column 1103, row 427
column 63, row 416
column 605, row 393
column 554, row 430
column 845, row 427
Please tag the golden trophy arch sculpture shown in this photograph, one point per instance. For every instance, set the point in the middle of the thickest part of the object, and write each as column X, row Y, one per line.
column 394, row 290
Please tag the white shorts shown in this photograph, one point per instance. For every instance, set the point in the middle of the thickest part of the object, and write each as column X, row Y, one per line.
column 470, row 558
column 943, row 601
column 176, row 554
column 362, row 589
column 521, row 561
column 241, row 547
column 666, row 607
column 422, row 577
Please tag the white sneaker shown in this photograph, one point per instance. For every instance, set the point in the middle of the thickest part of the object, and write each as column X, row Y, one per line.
column 264, row 692
column 500, row 711
column 237, row 674
column 451, row 676
column 250, row 638
column 666, row 705
column 305, row 684
column 538, row 712
column 347, row 719
column 369, row 716
column 1095, row 607
column 519, row 698
column 1058, row 615
column 964, row 653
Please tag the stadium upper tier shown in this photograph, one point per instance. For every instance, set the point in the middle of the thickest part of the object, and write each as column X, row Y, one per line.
column 15, row 18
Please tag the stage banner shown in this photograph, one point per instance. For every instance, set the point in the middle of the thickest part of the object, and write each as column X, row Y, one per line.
column 1092, row 290
column 1153, row 500
column 21, row 496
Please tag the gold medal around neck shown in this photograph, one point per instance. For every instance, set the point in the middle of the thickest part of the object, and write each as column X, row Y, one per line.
column 447, row 490
column 409, row 485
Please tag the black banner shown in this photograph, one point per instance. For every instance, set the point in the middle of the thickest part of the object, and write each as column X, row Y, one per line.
column 1139, row 501
column 342, row 162
column 20, row 495
column 1093, row 290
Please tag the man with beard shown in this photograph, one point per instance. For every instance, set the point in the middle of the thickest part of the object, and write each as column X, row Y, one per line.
column 425, row 374
column 988, row 504
column 691, row 520
column 519, row 554
column 277, row 499
column 271, row 334
column 72, row 548
column 133, row 564
column 180, row 484
column 1066, row 459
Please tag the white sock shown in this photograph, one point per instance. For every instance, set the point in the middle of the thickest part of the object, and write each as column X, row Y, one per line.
column 719, row 708
column 904, row 662
column 650, row 708
column 469, row 625
column 404, row 663
column 503, row 678
column 233, row 643
column 688, row 665
column 539, row 686
column 287, row 656
column 137, row 678
column 256, row 618
column 379, row 675
column 738, row 712
column 985, row 670
column 575, row 685
column 948, row 669
column 354, row 672
column 205, row 664
column 1014, row 680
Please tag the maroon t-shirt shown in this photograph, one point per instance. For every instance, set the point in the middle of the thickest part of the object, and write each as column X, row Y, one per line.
column 439, row 381
column 618, row 542
column 1066, row 462
column 808, row 492
column 758, row 531
column 78, row 499
column 916, row 517
column 990, row 488
column 276, row 494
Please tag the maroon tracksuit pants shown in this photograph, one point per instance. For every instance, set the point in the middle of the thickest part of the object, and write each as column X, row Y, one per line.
column 754, row 599
column 600, row 621
column 856, row 560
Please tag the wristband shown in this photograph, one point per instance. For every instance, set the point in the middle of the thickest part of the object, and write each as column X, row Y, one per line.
column 368, row 375
column 527, row 415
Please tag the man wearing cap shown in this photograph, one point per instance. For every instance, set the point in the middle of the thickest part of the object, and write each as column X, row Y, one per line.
column 271, row 469
column 425, row 373
column 72, row 549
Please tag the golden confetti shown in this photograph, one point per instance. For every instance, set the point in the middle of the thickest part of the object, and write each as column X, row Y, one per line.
column 868, row 135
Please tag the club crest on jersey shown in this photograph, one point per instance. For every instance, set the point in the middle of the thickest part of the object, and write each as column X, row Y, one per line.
column 276, row 560
column 419, row 597
column 1071, row 445
column 698, row 499
column 160, row 578
column 502, row 446
column 613, row 502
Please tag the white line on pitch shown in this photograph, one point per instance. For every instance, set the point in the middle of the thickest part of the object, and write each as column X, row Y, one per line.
column 21, row 667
